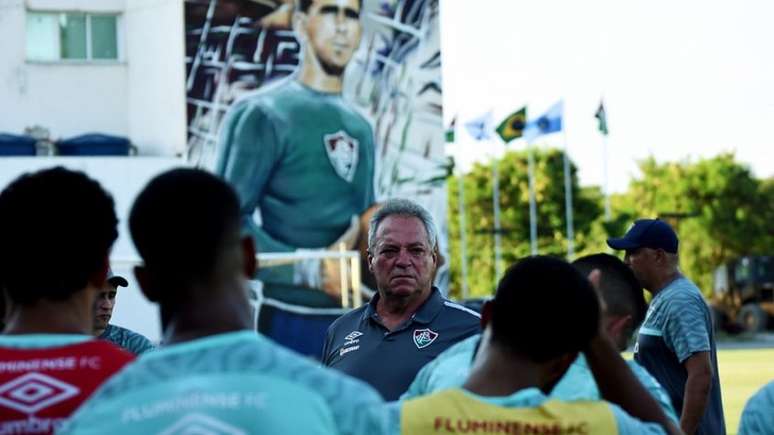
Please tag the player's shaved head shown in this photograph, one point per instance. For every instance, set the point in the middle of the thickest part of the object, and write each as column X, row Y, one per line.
column 56, row 230
column 622, row 293
column 620, row 290
column 181, row 223
column 543, row 309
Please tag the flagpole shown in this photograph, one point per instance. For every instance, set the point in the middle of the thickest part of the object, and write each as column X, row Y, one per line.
column 463, row 227
column 463, row 230
column 496, row 204
column 532, row 201
column 452, row 139
column 568, row 201
column 608, row 214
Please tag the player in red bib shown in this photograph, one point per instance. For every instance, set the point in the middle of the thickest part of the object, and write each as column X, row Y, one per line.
column 56, row 230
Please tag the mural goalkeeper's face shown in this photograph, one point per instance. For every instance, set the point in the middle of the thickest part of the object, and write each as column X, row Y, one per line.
column 333, row 32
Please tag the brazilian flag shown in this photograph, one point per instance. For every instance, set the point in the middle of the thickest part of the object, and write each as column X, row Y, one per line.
column 512, row 127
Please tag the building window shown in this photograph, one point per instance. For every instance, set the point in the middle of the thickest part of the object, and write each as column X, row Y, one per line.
column 77, row 36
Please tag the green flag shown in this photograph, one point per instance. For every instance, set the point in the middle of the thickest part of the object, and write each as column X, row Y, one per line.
column 450, row 131
column 602, row 118
column 512, row 127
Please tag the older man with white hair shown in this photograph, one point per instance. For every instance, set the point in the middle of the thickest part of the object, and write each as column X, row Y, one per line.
column 408, row 322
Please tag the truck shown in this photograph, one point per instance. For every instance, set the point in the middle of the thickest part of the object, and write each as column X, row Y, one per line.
column 743, row 294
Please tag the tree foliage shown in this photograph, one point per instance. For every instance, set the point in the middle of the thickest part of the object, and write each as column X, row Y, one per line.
column 719, row 209
column 514, row 218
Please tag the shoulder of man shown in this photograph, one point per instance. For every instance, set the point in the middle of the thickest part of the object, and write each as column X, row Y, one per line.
column 132, row 341
column 347, row 320
column 461, row 313
column 758, row 413
column 678, row 296
column 683, row 289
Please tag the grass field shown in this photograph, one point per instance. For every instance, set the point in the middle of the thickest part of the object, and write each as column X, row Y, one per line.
column 742, row 373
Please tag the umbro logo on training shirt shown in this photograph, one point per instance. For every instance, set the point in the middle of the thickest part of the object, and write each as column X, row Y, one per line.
column 201, row 424
column 32, row 392
column 424, row 337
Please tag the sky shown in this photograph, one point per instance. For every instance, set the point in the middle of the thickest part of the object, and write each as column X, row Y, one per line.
column 680, row 79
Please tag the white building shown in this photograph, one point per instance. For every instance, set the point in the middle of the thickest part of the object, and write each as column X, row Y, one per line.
column 63, row 69
column 107, row 66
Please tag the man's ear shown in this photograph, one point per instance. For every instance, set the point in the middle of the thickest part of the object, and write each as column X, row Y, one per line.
column 249, row 254
column 617, row 327
column 146, row 284
column 299, row 25
column 370, row 262
column 486, row 313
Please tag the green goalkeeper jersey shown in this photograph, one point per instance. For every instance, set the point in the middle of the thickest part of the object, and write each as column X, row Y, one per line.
column 303, row 158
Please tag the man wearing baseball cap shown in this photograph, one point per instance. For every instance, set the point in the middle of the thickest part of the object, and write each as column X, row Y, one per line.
column 676, row 342
column 103, row 311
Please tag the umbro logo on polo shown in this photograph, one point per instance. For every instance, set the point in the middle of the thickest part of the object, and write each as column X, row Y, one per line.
column 353, row 335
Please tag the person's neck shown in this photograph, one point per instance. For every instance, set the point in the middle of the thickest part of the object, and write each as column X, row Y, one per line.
column 394, row 311
column 208, row 311
column 496, row 372
column 664, row 280
column 99, row 332
column 70, row 316
column 313, row 76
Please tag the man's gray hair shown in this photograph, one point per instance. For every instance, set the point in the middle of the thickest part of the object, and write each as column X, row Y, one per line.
column 406, row 208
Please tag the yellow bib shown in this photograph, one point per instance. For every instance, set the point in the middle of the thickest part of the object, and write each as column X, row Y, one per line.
column 454, row 412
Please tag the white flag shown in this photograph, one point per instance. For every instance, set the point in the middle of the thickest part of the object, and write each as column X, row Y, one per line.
column 481, row 128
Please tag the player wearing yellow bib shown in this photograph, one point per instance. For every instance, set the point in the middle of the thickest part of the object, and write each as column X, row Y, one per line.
column 543, row 315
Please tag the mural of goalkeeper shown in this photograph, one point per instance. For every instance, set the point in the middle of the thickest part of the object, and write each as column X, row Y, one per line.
column 299, row 154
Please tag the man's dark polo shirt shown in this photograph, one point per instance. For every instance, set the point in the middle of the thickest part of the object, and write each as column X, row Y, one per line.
column 359, row 345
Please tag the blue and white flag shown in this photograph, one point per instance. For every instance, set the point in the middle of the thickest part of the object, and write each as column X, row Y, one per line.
column 481, row 128
column 549, row 122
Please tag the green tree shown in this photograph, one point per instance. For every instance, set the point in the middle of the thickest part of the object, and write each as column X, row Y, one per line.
column 719, row 209
column 514, row 218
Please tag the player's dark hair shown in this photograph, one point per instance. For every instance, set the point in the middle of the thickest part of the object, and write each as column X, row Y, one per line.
column 620, row 289
column 56, row 230
column 544, row 308
column 181, row 222
column 303, row 5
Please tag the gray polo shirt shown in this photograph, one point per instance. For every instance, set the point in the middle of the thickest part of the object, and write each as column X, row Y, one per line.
column 359, row 345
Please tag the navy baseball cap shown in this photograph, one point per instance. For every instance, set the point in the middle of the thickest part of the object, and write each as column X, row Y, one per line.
column 116, row 280
column 647, row 233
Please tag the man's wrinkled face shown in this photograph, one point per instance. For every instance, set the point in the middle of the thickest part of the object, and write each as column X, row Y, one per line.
column 103, row 306
column 333, row 32
column 402, row 260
